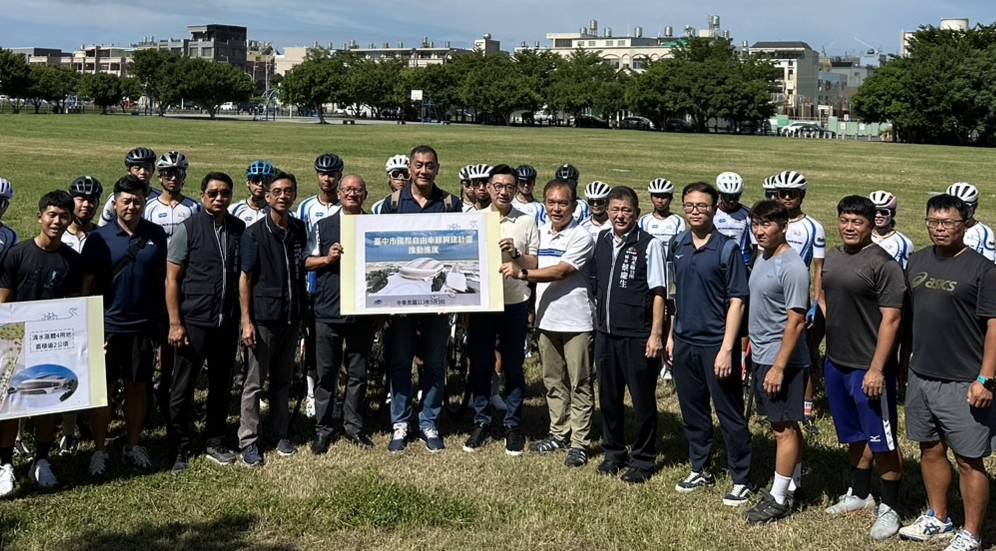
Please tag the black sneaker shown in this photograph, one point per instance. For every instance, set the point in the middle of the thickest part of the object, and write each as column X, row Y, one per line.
column 478, row 438
column 433, row 441
column 220, row 454
column 576, row 457
column 285, row 448
column 399, row 439
column 180, row 464
column 515, row 441
column 768, row 510
column 321, row 444
column 360, row 440
column 635, row 475
column 609, row 467
column 739, row 495
column 549, row 444
column 695, row 482
column 251, row 456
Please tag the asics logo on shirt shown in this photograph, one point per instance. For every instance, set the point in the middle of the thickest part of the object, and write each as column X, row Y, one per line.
column 937, row 284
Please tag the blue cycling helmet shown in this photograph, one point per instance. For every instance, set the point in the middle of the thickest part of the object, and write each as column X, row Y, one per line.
column 261, row 168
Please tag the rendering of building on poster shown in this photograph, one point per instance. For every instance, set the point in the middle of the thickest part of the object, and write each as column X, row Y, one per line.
column 404, row 263
column 51, row 356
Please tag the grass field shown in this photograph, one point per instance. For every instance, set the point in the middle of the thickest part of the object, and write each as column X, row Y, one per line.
column 353, row 499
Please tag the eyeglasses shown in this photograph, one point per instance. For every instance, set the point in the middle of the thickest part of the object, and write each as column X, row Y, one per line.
column 947, row 224
column 692, row 207
column 500, row 188
column 279, row 192
column 788, row 193
column 211, row 194
column 352, row 191
column 883, row 212
column 597, row 202
column 398, row 174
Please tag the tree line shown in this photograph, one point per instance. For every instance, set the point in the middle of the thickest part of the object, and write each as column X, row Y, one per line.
column 943, row 92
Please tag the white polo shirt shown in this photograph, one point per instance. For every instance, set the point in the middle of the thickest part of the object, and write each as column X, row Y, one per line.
column 521, row 228
column 565, row 305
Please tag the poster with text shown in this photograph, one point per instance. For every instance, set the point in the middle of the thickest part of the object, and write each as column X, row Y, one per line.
column 51, row 356
column 421, row 263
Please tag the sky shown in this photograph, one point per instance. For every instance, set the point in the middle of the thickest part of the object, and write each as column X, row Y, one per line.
column 838, row 26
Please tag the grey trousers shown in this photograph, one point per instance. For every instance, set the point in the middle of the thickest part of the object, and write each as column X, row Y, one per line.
column 273, row 358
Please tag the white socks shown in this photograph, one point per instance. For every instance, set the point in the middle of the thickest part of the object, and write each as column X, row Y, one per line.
column 780, row 488
column 311, row 386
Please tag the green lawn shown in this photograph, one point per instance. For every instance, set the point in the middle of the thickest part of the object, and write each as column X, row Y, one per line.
column 359, row 500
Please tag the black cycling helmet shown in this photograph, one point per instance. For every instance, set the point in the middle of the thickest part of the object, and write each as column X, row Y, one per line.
column 140, row 156
column 328, row 162
column 525, row 173
column 568, row 173
column 86, row 186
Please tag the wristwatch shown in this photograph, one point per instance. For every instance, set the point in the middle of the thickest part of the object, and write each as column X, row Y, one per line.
column 524, row 274
column 987, row 383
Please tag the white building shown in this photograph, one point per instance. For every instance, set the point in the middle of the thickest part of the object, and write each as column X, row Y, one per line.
column 798, row 85
column 952, row 24
column 94, row 59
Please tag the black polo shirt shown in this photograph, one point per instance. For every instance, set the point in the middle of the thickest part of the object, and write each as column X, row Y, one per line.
column 706, row 279
column 408, row 205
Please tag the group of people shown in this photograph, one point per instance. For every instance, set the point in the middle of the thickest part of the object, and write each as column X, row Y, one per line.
column 718, row 298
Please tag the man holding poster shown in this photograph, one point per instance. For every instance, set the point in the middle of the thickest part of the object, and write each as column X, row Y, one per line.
column 420, row 196
column 519, row 247
column 39, row 269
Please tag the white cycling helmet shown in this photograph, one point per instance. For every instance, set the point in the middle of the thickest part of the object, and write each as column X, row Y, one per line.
column 173, row 159
column 660, row 185
column 883, row 200
column 6, row 190
column 790, row 179
column 964, row 191
column 475, row 172
column 730, row 183
column 596, row 190
column 397, row 162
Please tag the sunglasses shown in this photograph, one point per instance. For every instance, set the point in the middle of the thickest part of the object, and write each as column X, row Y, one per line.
column 258, row 179
column 211, row 194
column 730, row 198
column 883, row 212
column 597, row 202
column 170, row 173
column 769, row 195
column 398, row 174
column 788, row 194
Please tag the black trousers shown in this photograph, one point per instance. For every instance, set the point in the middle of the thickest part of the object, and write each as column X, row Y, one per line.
column 335, row 345
column 216, row 345
column 622, row 364
column 695, row 380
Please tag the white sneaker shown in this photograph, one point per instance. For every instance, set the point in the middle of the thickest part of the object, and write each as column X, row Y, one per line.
column 309, row 407
column 138, row 457
column 41, row 473
column 964, row 541
column 98, row 463
column 8, row 482
column 850, row 503
column 927, row 527
column 886, row 525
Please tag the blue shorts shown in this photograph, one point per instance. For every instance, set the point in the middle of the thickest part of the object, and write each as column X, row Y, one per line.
column 857, row 418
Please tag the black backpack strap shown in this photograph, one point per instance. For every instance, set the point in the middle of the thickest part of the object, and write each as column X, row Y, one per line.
column 134, row 248
column 395, row 199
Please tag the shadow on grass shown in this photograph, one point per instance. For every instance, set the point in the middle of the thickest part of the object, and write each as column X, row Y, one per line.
column 228, row 532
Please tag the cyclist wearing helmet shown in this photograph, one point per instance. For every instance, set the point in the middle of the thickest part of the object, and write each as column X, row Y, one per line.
column 86, row 192
column 568, row 173
column 397, row 176
column 596, row 195
column 978, row 236
column 896, row 244
column 732, row 218
column 768, row 184
column 809, row 239
column 252, row 208
column 662, row 223
column 328, row 171
column 8, row 237
column 474, row 181
column 525, row 177
column 141, row 163
column 170, row 208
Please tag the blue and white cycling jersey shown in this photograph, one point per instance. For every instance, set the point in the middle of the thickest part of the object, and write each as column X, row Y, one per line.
column 532, row 208
column 107, row 213
column 595, row 229
column 736, row 226
column 311, row 211
column 245, row 212
column 980, row 238
column 169, row 216
column 664, row 229
column 897, row 245
column 808, row 238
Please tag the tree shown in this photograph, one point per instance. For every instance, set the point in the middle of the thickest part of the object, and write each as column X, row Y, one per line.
column 51, row 84
column 131, row 90
column 210, row 84
column 314, row 83
column 536, row 70
column 105, row 90
column 160, row 73
column 15, row 77
column 573, row 88
column 493, row 87
column 373, row 84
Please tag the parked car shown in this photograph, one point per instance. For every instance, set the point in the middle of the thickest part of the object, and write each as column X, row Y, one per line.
column 678, row 125
column 637, row 123
column 808, row 130
column 588, row 121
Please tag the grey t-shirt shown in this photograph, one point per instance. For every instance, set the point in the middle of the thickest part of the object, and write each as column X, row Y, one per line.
column 777, row 285
column 178, row 250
